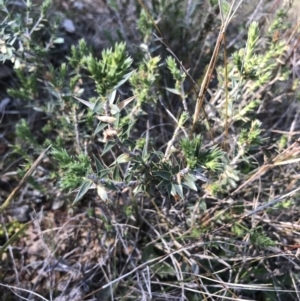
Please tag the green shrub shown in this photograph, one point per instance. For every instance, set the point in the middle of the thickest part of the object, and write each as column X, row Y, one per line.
column 126, row 126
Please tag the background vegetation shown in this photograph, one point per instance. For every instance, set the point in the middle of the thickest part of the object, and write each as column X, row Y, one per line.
column 149, row 150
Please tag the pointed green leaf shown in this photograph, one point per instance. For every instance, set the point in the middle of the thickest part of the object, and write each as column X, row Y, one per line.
column 138, row 188
column 145, row 150
column 87, row 103
column 173, row 190
column 116, row 173
column 111, row 186
column 189, row 177
column 163, row 174
column 202, row 205
column 108, row 146
column 179, row 190
column 101, row 126
column 129, row 143
column 112, row 97
column 163, row 183
column 232, row 183
column 125, row 78
column 104, row 173
column 163, row 269
column 114, row 109
column 99, row 166
column 83, row 190
column 98, row 106
column 175, row 170
column 124, row 158
column 14, row 237
column 190, row 184
column 174, row 91
column 137, row 159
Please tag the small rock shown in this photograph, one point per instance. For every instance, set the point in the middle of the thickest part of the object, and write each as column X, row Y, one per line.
column 68, row 25
column 22, row 213
column 57, row 204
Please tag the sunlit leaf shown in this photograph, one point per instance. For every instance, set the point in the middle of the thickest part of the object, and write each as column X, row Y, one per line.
column 179, row 190
column 190, row 184
column 112, row 96
column 138, row 188
column 87, row 103
column 114, row 109
column 102, row 193
column 124, row 158
column 174, row 91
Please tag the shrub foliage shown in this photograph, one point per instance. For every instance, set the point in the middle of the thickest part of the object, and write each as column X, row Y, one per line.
column 167, row 165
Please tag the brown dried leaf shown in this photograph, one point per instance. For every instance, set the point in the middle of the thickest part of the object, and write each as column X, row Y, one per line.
column 108, row 119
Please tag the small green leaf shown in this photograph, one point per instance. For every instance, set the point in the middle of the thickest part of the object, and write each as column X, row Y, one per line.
column 128, row 143
column 190, row 184
column 175, row 170
column 99, row 166
column 125, row 79
column 111, row 186
column 87, row 103
column 174, row 91
column 237, row 230
column 148, row 253
column 189, row 177
column 101, row 126
column 112, row 96
column 179, row 190
column 163, row 174
column 145, row 150
column 98, row 106
column 83, row 190
column 114, row 109
column 173, row 190
column 163, row 269
column 116, row 173
column 232, row 183
column 108, row 146
column 104, row 173
column 163, row 183
column 202, row 206
column 138, row 188
column 138, row 159
column 14, row 237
